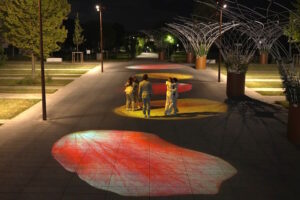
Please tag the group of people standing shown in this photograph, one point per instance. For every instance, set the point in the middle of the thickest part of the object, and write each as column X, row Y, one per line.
column 136, row 90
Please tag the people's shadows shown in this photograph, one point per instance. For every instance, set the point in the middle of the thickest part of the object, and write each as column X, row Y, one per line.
column 182, row 115
column 186, row 115
column 249, row 106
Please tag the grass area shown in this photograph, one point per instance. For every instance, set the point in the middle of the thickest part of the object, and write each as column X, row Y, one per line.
column 253, row 84
column 25, row 91
column 258, row 71
column 271, row 93
column 25, row 83
column 49, row 74
column 285, row 104
column 64, row 65
column 121, row 56
column 178, row 57
column 52, row 72
column 263, row 76
column 10, row 108
column 14, row 69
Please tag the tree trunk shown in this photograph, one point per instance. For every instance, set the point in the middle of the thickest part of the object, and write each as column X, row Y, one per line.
column 161, row 55
column 189, row 57
column 33, row 66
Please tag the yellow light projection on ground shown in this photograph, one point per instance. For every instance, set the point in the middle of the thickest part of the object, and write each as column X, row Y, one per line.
column 188, row 109
column 167, row 75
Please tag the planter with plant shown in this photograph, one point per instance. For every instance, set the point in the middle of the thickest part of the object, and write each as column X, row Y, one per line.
column 291, row 82
column 201, row 54
column 237, row 66
column 237, row 50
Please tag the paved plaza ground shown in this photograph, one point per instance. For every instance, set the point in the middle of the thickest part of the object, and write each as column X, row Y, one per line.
column 241, row 153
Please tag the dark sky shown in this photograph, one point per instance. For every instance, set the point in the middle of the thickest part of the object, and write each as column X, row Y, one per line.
column 143, row 14
column 133, row 14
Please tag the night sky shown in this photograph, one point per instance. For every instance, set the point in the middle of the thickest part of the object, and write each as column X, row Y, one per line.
column 133, row 14
column 143, row 14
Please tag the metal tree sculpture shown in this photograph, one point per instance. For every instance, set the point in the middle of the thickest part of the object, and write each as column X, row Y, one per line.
column 186, row 44
column 237, row 49
column 264, row 25
column 201, row 35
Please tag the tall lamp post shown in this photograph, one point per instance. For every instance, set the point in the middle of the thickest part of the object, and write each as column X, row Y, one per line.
column 99, row 9
column 221, row 5
column 42, row 63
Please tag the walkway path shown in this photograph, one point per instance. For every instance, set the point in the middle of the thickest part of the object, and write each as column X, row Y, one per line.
column 250, row 136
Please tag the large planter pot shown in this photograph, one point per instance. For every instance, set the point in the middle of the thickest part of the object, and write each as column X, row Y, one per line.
column 161, row 55
column 235, row 85
column 294, row 124
column 264, row 58
column 189, row 57
column 201, row 62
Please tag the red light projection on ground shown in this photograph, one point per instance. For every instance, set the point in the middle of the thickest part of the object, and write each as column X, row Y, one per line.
column 140, row 164
column 165, row 76
column 156, row 67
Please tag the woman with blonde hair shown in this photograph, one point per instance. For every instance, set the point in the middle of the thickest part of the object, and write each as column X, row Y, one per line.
column 129, row 94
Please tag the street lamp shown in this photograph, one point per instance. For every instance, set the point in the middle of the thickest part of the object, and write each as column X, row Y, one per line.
column 42, row 63
column 221, row 5
column 170, row 40
column 99, row 9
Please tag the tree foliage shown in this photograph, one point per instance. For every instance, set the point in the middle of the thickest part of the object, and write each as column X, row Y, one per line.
column 293, row 28
column 140, row 45
column 78, row 37
column 21, row 24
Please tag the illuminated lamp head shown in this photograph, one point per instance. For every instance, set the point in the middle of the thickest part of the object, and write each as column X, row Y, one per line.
column 170, row 39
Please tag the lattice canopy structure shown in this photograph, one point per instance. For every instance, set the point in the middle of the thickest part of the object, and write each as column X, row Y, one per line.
column 264, row 25
column 185, row 42
column 201, row 35
column 237, row 49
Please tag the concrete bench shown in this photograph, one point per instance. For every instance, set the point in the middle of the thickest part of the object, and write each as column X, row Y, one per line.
column 211, row 61
column 54, row 60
